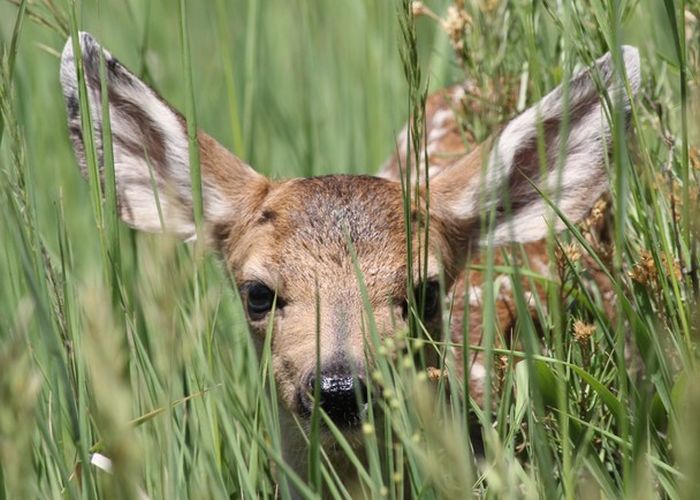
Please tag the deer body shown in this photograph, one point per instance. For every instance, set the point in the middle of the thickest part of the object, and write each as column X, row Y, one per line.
column 294, row 246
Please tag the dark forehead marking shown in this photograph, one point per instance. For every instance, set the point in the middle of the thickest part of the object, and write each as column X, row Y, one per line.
column 267, row 216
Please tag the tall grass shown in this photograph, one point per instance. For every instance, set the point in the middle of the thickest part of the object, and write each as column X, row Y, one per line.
column 135, row 347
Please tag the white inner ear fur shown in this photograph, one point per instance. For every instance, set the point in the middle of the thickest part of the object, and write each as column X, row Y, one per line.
column 138, row 204
column 574, row 189
column 582, row 178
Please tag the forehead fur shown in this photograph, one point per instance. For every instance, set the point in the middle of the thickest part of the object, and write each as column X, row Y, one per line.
column 328, row 210
column 299, row 236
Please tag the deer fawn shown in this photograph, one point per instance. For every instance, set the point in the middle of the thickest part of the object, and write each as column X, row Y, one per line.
column 286, row 242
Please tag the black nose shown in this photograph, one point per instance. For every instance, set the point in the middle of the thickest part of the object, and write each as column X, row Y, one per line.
column 343, row 397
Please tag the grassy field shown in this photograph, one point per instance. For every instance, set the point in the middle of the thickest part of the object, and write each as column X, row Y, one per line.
column 132, row 346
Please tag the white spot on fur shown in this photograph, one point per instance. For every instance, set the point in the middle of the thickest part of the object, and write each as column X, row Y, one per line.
column 475, row 295
column 433, row 170
column 502, row 284
column 477, row 374
column 458, row 94
column 435, row 135
column 441, row 117
column 530, row 300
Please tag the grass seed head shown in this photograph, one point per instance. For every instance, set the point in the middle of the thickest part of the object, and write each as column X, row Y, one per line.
column 418, row 9
column 583, row 331
column 646, row 273
column 570, row 252
column 455, row 24
column 595, row 217
column 434, row 374
column 644, row 270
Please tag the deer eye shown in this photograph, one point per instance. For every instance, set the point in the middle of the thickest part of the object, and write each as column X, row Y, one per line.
column 430, row 301
column 259, row 300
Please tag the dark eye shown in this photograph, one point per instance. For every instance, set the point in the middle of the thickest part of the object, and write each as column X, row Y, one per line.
column 259, row 300
column 428, row 295
column 431, row 299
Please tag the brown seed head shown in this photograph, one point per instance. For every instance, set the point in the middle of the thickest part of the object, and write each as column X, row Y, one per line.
column 595, row 217
column 571, row 251
column 646, row 273
column 434, row 374
column 583, row 331
column 455, row 24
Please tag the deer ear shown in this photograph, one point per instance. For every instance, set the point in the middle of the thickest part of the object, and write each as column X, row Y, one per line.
column 150, row 146
column 575, row 154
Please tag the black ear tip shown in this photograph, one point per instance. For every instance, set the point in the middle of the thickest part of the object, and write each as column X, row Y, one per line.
column 89, row 48
column 87, row 42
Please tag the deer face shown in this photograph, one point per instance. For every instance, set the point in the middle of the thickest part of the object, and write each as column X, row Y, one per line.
column 297, row 269
column 295, row 247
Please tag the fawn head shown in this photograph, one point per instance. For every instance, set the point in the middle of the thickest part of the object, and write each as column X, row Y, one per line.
column 295, row 246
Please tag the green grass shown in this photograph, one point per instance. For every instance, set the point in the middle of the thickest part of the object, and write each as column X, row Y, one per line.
column 137, row 347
